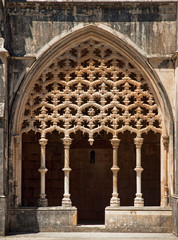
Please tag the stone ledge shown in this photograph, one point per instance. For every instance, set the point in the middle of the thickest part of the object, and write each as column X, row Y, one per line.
column 57, row 208
column 42, row 219
column 132, row 208
column 131, row 219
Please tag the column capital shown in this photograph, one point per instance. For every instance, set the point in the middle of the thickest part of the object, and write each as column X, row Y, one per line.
column 3, row 51
column 16, row 140
column 67, row 142
column 115, row 142
column 43, row 142
column 138, row 142
column 165, row 140
column 175, row 58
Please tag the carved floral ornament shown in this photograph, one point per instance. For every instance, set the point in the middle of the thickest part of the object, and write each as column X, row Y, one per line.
column 91, row 87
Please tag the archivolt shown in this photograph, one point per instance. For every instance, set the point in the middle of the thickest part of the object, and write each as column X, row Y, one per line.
column 116, row 43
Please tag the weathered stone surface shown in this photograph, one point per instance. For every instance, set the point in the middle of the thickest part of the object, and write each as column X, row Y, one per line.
column 42, row 219
column 16, row 71
column 175, row 214
column 151, row 26
column 138, row 219
column 31, row 29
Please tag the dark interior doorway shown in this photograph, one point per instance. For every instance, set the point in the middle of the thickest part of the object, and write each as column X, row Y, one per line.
column 150, row 161
column 31, row 163
column 91, row 177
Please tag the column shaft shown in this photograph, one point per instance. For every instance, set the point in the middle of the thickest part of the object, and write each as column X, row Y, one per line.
column 66, row 201
column 115, row 201
column 43, row 202
column 164, row 172
column 138, row 201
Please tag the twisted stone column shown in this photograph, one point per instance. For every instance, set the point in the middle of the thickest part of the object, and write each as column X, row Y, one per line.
column 138, row 201
column 66, row 201
column 115, row 201
column 43, row 202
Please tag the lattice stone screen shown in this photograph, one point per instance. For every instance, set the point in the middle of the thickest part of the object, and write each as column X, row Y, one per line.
column 91, row 87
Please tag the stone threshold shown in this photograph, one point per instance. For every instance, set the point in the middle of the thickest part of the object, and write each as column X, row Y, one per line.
column 90, row 228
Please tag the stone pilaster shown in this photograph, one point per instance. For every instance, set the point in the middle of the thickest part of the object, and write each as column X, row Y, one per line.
column 175, row 197
column 17, row 166
column 3, row 137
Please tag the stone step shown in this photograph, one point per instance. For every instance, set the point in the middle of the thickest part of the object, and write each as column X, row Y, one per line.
column 90, row 228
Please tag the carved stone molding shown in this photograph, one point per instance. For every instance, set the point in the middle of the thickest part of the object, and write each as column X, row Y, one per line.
column 16, row 140
column 165, row 142
column 138, row 142
column 115, row 142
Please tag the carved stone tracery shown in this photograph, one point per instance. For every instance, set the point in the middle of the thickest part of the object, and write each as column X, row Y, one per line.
column 91, row 87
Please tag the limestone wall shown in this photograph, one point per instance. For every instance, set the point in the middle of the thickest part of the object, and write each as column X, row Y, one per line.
column 32, row 27
column 152, row 27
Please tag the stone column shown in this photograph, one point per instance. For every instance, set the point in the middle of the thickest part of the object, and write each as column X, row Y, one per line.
column 115, row 201
column 66, row 201
column 164, row 173
column 43, row 202
column 138, row 201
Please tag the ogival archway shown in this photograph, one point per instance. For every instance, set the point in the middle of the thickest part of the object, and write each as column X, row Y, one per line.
column 92, row 96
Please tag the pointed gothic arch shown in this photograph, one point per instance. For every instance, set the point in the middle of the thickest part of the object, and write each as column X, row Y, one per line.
column 80, row 54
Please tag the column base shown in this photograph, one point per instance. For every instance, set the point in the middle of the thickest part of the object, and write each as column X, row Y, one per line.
column 115, row 202
column 66, row 202
column 138, row 202
column 42, row 202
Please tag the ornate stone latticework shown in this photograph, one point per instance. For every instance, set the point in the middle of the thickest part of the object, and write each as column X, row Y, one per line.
column 91, row 87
